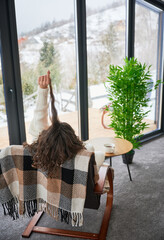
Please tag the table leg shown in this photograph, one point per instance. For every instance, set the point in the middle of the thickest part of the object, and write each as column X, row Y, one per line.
column 129, row 172
column 111, row 161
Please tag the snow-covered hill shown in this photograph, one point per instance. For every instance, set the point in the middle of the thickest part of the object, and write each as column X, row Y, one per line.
column 63, row 37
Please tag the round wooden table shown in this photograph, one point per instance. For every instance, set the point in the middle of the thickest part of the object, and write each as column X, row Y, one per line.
column 122, row 146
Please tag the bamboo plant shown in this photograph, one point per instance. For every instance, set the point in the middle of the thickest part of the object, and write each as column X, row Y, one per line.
column 128, row 89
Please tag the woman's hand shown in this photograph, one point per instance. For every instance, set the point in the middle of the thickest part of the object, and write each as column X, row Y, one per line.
column 44, row 81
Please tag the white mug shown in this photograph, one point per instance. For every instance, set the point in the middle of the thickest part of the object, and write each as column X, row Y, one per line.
column 109, row 147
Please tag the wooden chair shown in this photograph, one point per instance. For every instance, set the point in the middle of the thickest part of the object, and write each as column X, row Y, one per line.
column 105, row 171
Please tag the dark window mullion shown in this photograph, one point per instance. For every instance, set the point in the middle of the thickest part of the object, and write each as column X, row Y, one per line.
column 82, row 78
column 16, row 68
column 10, row 85
column 130, row 28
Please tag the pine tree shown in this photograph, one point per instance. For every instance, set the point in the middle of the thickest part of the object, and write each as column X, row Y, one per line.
column 50, row 60
column 47, row 54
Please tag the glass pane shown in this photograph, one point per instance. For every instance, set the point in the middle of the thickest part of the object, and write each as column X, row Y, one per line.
column 4, row 138
column 146, row 47
column 105, row 45
column 46, row 41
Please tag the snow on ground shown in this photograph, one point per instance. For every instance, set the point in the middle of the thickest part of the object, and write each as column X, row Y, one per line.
column 96, row 22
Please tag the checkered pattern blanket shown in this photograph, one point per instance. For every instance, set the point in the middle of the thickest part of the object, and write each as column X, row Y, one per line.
column 26, row 190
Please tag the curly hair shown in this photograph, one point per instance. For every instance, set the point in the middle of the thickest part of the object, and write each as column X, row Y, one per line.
column 55, row 145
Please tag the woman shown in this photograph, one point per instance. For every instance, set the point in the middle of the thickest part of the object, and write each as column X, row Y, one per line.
column 31, row 190
column 57, row 142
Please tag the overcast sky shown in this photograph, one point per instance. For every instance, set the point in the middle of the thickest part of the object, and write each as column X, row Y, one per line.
column 33, row 13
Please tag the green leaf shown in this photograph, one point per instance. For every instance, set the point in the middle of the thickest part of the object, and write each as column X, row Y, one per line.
column 128, row 87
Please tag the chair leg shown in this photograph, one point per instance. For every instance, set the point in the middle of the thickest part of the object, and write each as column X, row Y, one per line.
column 108, row 209
column 29, row 229
column 76, row 234
column 53, row 231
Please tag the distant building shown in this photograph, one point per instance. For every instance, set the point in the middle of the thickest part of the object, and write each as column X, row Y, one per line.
column 21, row 40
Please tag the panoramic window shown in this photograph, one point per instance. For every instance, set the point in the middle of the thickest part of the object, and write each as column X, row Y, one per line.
column 147, row 44
column 46, row 39
column 105, row 46
column 3, row 117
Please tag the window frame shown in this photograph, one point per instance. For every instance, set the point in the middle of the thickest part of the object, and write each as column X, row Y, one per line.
column 11, row 66
column 157, row 132
column 11, row 73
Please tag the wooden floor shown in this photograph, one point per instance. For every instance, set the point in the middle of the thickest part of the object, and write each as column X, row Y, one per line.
column 95, row 127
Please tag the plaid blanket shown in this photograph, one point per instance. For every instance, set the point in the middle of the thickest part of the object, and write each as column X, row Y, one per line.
column 25, row 190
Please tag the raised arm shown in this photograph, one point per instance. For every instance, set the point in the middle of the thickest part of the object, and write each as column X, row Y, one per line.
column 40, row 118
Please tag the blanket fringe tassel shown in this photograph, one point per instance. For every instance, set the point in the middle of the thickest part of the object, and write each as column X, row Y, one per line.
column 11, row 208
column 32, row 206
column 76, row 219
